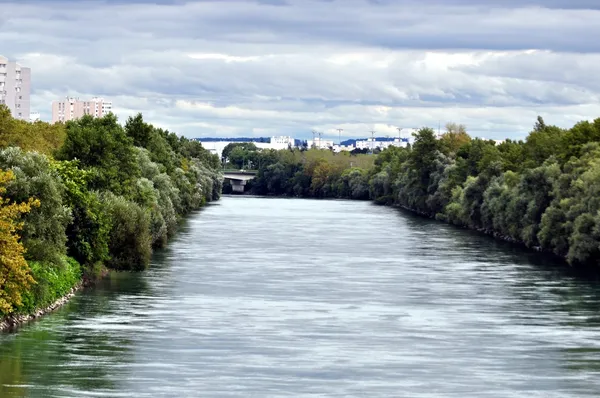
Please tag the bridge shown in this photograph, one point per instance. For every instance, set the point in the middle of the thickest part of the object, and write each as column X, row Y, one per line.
column 238, row 178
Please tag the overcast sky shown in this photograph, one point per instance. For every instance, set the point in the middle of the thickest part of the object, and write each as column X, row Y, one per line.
column 286, row 67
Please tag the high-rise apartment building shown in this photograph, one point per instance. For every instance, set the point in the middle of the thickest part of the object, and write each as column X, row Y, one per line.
column 74, row 108
column 15, row 88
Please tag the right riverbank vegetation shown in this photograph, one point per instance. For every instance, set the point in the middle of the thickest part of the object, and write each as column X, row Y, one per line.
column 90, row 195
column 543, row 192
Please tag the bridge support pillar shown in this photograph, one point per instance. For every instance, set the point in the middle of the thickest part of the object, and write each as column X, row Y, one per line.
column 237, row 186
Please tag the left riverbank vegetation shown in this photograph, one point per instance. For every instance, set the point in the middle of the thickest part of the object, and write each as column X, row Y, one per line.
column 543, row 192
column 81, row 197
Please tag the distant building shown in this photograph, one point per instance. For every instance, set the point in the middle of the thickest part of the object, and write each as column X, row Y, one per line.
column 277, row 143
column 283, row 140
column 15, row 88
column 371, row 143
column 320, row 144
column 341, row 148
column 34, row 117
column 74, row 108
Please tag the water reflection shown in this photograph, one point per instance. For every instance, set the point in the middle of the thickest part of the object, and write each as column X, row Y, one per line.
column 273, row 297
column 76, row 348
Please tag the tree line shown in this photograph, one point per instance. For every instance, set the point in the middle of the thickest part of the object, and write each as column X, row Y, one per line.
column 90, row 194
column 307, row 173
column 543, row 192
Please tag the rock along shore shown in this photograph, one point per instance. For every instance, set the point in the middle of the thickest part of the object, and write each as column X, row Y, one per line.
column 12, row 321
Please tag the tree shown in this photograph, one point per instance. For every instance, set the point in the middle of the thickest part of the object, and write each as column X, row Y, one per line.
column 454, row 138
column 15, row 276
column 43, row 232
column 101, row 145
column 88, row 232
column 39, row 136
column 244, row 146
column 140, row 132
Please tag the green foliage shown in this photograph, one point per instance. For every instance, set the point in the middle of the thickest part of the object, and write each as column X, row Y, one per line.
column 130, row 243
column 43, row 233
column 39, row 136
column 112, row 194
column 15, row 275
column 87, row 234
column 101, row 146
column 53, row 282
column 238, row 154
column 543, row 192
column 312, row 173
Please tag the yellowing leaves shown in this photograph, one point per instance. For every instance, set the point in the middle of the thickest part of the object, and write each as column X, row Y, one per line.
column 15, row 275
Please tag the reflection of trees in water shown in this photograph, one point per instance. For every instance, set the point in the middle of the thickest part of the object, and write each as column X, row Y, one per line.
column 582, row 359
column 539, row 289
column 86, row 345
column 11, row 369
column 54, row 354
column 61, row 351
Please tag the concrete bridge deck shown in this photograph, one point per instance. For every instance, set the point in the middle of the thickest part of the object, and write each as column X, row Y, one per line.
column 238, row 178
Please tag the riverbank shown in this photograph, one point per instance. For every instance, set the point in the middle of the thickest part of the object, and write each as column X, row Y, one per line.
column 13, row 321
column 105, row 193
column 482, row 231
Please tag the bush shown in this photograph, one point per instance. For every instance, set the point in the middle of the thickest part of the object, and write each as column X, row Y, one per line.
column 53, row 281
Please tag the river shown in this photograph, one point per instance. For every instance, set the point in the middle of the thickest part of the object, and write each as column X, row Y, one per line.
column 264, row 297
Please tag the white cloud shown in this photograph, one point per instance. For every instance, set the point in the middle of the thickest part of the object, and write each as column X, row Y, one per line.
column 249, row 68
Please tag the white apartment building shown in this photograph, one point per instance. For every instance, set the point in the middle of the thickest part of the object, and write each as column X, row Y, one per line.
column 74, row 108
column 371, row 143
column 320, row 144
column 15, row 88
column 283, row 140
column 34, row 117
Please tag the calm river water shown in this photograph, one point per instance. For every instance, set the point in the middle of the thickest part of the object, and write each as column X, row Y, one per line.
column 283, row 297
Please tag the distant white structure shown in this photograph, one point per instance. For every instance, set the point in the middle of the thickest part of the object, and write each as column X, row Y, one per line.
column 320, row 144
column 341, row 148
column 276, row 142
column 34, row 117
column 371, row 143
column 282, row 140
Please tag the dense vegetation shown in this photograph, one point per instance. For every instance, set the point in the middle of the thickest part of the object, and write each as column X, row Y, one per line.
column 543, row 192
column 89, row 194
column 304, row 173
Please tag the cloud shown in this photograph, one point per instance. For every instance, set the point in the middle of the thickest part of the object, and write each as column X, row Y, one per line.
column 208, row 68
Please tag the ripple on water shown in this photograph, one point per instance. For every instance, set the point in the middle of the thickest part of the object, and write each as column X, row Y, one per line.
column 274, row 297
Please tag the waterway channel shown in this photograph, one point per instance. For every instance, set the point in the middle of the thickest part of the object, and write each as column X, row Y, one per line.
column 260, row 297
